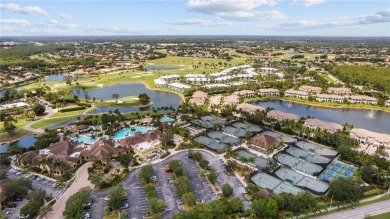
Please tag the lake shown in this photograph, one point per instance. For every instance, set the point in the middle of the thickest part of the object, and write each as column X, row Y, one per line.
column 25, row 142
column 358, row 117
column 60, row 77
column 159, row 67
column 159, row 98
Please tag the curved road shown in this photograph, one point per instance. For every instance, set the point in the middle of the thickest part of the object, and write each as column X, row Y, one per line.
column 80, row 182
column 360, row 212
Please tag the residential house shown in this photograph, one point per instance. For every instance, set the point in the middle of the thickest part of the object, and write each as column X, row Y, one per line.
column 340, row 90
column 159, row 82
column 279, row 115
column 362, row 99
column 368, row 137
column 310, row 89
column 319, row 124
column 296, row 93
column 249, row 108
column 330, row 98
column 231, row 100
column 178, row 86
column 268, row 92
column 244, row 93
column 198, row 98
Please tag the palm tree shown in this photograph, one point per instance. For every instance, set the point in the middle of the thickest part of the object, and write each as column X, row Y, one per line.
column 45, row 211
column 115, row 96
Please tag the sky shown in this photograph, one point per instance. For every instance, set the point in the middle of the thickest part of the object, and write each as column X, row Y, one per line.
column 195, row 17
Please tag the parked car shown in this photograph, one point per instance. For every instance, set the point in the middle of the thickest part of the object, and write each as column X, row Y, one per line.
column 12, row 205
column 22, row 216
column 153, row 178
column 39, row 178
column 86, row 206
column 54, row 185
column 124, row 206
column 106, row 198
column 87, row 215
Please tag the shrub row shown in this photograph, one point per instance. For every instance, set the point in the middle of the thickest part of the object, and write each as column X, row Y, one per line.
column 72, row 109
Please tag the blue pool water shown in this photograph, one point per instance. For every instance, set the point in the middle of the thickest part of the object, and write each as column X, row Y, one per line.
column 85, row 139
column 167, row 119
column 123, row 133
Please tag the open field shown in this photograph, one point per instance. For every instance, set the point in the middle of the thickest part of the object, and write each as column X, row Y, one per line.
column 46, row 122
column 40, row 57
column 20, row 123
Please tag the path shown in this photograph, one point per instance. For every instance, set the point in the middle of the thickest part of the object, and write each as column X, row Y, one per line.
column 80, row 182
column 50, row 112
column 361, row 212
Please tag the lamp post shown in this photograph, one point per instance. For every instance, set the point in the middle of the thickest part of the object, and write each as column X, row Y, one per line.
column 331, row 199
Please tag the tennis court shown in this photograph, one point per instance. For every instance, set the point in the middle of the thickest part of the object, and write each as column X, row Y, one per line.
column 208, row 122
column 286, row 159
column 259, row 161
column 317, row 187
column 289, row 175
column 234, row 131
column 220, row 137
column 245, row 154
column 265, row 181
column 299, row 164
column 285, row 187
column 306, row 155
column 337, row 169
column 210, row 143
column 247, row 127
column 317, row 149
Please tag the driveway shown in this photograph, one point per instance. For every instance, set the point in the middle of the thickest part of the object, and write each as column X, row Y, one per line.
column 80, row 182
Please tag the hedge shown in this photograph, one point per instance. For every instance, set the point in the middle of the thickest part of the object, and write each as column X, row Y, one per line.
column 72, row 109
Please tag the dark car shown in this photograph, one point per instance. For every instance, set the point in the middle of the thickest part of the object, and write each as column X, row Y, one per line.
column 18, row 199
column 12, row 205
column 86, row 206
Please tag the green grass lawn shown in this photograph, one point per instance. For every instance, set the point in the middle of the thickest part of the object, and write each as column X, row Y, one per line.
column 327, row 78
column 41, row 57
column 46, row 122
column 122, row 102
column 5, row 137
column 20, row 123
column 380, row 216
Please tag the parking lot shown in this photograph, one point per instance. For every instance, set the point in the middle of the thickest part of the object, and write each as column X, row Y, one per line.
column 136, row 197
column 39, row 183
column 219, row 166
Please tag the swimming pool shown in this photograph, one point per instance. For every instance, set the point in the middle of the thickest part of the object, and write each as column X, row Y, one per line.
column 167, row 119
column 123, row 133
column 85, row 139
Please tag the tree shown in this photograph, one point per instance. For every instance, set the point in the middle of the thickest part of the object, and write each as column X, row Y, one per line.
column 155, row 205
column 31, row 208
column 30, row 114
column 146, row 173
column 189, row 198
column 227, row 190
column 116, row 197
column 368, row 173
column 9, row 125
column 74, row 205
column 144, row 98
column 124, row 160
column 17, row 188
column 265, row 207
column 183, row 185
column 212, row 176
column 68, row 79
column 346, row 190
column 115, row 96
column 45, row 211
column 38, row 109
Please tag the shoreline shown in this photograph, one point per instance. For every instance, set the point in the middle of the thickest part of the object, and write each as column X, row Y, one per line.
column 317, row 104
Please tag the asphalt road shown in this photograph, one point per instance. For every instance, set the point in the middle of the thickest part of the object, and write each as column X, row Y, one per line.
column 361, row 212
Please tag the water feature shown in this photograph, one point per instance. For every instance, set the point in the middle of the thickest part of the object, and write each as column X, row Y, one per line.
column 85, row 139
column 371, row 114
column 159, row 98
column 159, row 67
column 60, row 77
column 167, row 119
column 357, row 117
column 123, row 133
column 25, row 142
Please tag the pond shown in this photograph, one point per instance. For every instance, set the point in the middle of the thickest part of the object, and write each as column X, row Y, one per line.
column 60, row 77
column 360, row 118
column 25, row 142
column 159, row 98
column 159, row 67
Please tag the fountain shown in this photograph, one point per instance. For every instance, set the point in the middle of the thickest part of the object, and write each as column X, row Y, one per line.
column 371, row 114
column 289, row 105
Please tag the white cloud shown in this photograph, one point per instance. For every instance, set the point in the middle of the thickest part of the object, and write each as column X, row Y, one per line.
column 24, row 10
column 187, row 22
column 175, row 29
column 15, row 22
column 307, row 3
column 110, row 30
column 65, row 16
column 52, row 22
column 378, row 17
column 252, row 16
column 242, row 10
column 70, row 26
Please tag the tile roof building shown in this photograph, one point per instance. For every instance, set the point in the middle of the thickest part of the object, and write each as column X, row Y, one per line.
column 319, row 124
column 296, row 93
column 279, row 115
column 309, row 89
column 339, row 90
column 249, row 108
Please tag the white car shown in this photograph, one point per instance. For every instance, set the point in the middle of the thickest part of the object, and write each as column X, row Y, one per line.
column 106, row 198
